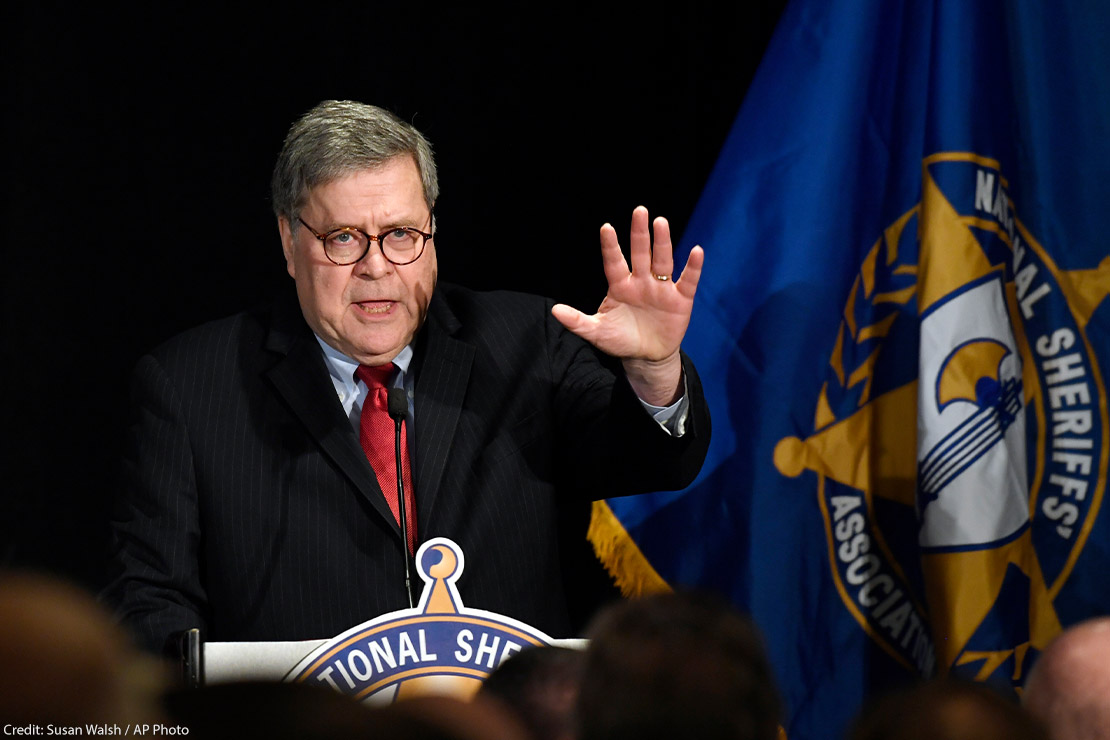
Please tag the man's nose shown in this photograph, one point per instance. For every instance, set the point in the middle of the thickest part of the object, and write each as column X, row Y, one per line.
column 373, row 265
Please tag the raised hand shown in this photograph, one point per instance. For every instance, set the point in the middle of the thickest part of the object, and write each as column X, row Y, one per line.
column 645, row 313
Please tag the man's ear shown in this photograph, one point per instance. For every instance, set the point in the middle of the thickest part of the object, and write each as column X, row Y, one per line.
column 287, row 245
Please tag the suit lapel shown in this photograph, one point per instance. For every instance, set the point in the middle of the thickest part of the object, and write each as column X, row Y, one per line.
column 301, row 378
column 441, row 382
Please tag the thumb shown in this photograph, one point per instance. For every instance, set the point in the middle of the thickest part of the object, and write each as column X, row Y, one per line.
column 570, row 317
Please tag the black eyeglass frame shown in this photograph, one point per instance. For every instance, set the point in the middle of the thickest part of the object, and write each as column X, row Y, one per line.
column 371, row 238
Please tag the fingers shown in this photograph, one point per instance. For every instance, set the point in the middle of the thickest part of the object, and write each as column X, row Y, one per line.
column 640, row 242
column 662, row 257
column 688, row 284
column 645, row 259
column 612, row 261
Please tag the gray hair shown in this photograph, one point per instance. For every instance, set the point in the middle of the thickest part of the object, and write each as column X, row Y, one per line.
column 339, row 137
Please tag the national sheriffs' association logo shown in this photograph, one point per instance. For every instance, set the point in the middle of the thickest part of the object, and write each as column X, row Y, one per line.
column 960, row 438
column 439, row 647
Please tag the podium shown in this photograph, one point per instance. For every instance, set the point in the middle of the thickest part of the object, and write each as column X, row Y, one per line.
column 224, row 662
column 439, row 646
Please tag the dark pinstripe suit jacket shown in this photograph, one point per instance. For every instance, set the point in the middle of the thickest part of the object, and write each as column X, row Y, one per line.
column 249, row 509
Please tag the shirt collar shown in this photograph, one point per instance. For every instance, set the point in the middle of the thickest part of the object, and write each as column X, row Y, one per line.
column 342, row 368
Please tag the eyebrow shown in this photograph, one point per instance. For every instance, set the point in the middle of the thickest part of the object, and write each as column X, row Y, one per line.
column 388, row 226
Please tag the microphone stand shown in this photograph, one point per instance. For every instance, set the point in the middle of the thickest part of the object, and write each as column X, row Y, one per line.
column 398, row 405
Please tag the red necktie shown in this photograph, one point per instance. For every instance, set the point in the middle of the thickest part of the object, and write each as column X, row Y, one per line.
column 376, row 434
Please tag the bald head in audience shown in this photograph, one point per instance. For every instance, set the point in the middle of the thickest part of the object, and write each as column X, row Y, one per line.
column 65, row 661
column 1069, row 687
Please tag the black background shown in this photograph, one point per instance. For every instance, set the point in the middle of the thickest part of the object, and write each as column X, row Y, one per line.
column 140, row 144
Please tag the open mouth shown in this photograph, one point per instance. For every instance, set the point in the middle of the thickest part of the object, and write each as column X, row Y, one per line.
column 375, row 307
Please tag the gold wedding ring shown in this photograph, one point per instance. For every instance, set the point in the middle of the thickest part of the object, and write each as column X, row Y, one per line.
column 664, row 278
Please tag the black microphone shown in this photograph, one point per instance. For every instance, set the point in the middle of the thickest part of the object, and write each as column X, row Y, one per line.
column 398, row 407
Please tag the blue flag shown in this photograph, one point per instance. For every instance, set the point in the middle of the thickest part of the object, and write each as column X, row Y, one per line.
column 904, row 335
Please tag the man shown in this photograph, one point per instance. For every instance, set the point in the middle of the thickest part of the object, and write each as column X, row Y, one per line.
column 1069, row 686
column 251, row 507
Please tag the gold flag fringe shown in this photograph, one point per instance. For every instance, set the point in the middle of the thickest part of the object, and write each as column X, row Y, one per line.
column 621, row 556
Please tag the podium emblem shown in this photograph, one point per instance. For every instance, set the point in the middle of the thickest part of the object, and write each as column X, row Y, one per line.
column 439, row 647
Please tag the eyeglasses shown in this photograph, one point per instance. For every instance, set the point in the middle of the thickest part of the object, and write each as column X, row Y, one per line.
column 348, row 244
